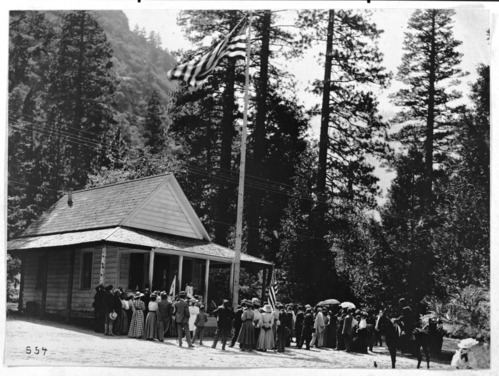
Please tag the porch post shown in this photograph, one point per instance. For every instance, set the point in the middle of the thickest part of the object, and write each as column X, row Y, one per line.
column 70, row 285
column 180, row 267
column 231, row 283
column 102, row 277
column 264, row 285
column 45, row 282
column 206, row 275
column 21, row 286
column 151, row 268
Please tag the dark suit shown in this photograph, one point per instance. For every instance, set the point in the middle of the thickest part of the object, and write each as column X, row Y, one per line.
column 182, row 319
column 300, row 316
column 348, row 332
column 237, row 325
column 224, row 317
column 306, row 334
column 165, row 310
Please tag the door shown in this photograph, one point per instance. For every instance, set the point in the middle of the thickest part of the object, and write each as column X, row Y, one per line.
column 137, row 276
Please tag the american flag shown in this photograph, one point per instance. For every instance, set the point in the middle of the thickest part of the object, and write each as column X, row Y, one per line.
column 273, row 294
column 197, row 71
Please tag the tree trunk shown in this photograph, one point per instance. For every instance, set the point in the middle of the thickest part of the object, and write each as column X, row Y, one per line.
column 430, row 120
column 324, row 136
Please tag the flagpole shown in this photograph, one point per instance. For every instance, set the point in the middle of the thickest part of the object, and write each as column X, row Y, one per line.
column 242, row 168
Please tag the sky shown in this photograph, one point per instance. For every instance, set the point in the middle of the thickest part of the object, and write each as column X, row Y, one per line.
column 470, row 27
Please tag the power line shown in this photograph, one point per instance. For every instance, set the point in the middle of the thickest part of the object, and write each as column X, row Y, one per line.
column 33, row 186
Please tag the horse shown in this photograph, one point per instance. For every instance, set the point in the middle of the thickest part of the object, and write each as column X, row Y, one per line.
column 392, row 331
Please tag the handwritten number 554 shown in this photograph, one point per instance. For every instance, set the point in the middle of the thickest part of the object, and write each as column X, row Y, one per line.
column 36, row 350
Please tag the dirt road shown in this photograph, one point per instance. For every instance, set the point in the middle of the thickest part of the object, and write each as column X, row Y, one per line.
column 57, row 344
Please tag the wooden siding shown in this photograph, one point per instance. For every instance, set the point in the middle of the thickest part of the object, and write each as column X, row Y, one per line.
column 31, row 293
column 57, row 281
column 163, row 213
column 124, row 260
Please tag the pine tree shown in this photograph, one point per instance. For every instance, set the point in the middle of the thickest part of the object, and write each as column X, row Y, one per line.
column 429, row 69
column 154, row 128
column 79, row 98
column 351, row 127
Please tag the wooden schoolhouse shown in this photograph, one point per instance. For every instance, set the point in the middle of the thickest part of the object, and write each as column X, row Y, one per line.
column 138, row 234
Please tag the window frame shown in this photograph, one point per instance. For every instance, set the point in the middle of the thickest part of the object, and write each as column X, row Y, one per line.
column 82, row 265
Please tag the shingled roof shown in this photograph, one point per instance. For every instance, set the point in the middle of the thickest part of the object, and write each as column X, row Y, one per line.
column 95, row 208
column 151, row 212
column 119, row 235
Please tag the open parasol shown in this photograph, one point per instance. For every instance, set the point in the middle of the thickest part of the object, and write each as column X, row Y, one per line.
column 329, row 302
column 347, row 305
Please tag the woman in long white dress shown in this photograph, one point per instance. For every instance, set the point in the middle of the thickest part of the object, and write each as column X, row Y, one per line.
column 319, row 327
column 193, row 310
column 266, row 337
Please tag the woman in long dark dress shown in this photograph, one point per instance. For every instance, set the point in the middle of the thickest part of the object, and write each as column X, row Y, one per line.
column 125, row 307
column 151, row 326
column 281, row 329
column 330, row 332
column 246, row 337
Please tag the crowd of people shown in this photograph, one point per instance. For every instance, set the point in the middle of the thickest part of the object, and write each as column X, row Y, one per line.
column 252, row 326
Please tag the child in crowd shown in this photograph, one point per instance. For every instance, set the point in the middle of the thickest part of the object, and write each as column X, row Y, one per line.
column 200, row 323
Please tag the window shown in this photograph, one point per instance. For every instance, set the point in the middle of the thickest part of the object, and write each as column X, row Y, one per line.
column 86, row 270
column 41, row 271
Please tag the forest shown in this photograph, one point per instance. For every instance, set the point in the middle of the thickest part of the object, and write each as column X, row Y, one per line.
column 90, row 104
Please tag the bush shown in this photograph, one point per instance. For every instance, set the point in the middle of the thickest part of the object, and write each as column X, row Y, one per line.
column 466, row 313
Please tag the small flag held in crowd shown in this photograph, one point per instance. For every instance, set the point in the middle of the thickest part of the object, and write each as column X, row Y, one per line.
column 173, row 287
column 197, row 71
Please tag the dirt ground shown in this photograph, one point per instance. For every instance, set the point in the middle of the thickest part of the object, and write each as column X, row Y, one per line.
column 68, row 345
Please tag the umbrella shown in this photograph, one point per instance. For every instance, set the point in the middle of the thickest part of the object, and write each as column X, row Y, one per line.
column 347, row 305
column 329, row 302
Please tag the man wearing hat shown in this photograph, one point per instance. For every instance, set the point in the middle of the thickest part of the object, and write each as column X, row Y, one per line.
column 165, row 310
column 282, row 328
column 99, row 309
column 182, row 319
column 300, row 316
column 108, row 307
column 237, row 323
column 224, row 315
column 348, row 327
column 290, row 319
column 308, row 324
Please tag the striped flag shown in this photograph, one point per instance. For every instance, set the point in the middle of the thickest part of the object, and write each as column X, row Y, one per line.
column 197, row 71
column 273, row 294
column 173, row 286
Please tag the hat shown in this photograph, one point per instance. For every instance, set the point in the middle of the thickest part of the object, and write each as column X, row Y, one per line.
column 182, row 294
column 307, row 306
column 267, row 308
column 138, row 294
column 113, row 315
